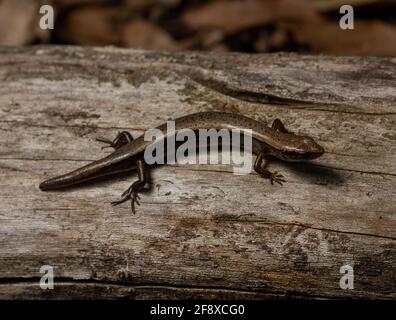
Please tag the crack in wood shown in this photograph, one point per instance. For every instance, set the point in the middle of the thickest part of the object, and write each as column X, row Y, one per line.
column 70, row 281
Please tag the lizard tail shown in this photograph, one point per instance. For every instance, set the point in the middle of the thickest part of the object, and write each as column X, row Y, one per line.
column 71, row 178
column 91, row 171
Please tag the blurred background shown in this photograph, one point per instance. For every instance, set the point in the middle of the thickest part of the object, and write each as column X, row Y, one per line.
column 254, row 26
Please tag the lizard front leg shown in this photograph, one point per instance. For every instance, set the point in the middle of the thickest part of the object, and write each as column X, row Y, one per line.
column 132, row 192
column 122, row 138
column 260, row 166
column 279, row 126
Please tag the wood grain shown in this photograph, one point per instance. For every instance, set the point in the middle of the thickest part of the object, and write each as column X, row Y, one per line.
column 201, row 232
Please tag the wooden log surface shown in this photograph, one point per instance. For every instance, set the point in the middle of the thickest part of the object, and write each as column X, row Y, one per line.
column 202, row 232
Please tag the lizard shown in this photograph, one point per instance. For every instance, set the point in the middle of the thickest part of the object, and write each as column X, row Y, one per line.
column 267, row 141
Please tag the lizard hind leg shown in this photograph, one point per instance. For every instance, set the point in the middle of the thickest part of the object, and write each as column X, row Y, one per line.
column 121, row 139
column 132, row 193
column 260, row 166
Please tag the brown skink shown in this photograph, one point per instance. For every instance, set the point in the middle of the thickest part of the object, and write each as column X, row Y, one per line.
column 128, row 153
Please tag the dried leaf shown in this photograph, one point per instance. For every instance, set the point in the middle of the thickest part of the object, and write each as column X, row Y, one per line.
column 143, row 4
column 91, row 25
column 329, row 5
column 367, row 38
column 233, row 16
column 18, row 21
column 146, row 35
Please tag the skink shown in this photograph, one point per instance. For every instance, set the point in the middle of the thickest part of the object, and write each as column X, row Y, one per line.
column 128, row 153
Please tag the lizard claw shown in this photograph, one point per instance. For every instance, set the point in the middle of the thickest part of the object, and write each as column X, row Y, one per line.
column 129, row 194
column 108, row 143
column 134, row 199
column 117, row 202
column 121, row 139
column 277, row 177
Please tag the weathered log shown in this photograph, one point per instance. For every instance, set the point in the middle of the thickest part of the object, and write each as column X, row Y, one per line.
column 202, row 232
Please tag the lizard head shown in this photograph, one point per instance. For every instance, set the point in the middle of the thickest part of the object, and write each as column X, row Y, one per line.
column 299, row 148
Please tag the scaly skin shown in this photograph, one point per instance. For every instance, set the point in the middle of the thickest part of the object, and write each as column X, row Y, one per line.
column 128, row 154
